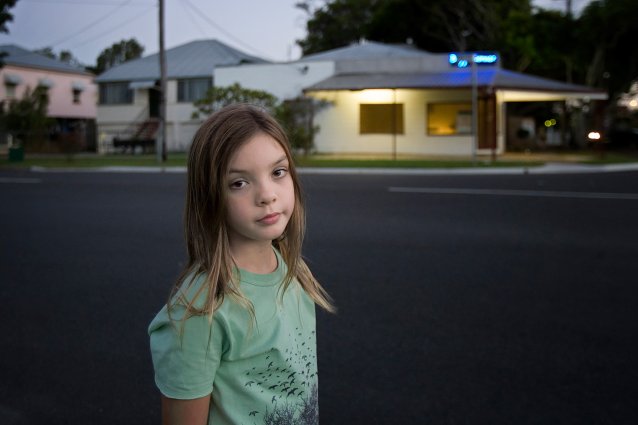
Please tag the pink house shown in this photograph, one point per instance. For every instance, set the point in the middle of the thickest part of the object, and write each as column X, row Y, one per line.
column 71, row 91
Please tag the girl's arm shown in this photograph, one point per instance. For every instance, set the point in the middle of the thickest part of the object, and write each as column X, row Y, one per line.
column 185, row 412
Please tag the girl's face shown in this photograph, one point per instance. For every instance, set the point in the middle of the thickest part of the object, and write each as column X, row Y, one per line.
column 260, row 192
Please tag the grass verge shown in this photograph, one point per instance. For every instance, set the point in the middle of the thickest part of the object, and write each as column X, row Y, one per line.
column 318, row 161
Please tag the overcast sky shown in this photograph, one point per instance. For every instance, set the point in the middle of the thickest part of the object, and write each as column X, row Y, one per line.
column 266, row 28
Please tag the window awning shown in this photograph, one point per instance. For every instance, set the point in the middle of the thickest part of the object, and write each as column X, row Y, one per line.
column 12, row 79
column 76, row 85
column 144, row 84
column 45, row 82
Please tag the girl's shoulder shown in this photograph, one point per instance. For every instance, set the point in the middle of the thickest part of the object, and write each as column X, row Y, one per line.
column 192, row 290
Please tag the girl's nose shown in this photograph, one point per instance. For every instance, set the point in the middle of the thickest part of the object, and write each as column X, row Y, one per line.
column 266, row 195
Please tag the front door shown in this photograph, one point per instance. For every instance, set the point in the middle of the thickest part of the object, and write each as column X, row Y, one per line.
column 153, row 102
column 487, row 121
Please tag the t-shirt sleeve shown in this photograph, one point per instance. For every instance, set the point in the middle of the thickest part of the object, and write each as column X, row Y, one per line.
column 185, row 360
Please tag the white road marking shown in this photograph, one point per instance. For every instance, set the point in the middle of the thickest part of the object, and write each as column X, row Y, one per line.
column 503, row 192
column 19, row 180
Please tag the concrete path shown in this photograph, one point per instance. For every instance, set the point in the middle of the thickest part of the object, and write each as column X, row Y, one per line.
column 548, row 168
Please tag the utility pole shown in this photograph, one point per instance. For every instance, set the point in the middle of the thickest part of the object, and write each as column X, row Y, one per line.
column 474, row 107
column 568, row 7
column 160, row 143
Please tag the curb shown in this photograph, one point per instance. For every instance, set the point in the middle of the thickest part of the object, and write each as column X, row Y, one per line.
column 549, row 168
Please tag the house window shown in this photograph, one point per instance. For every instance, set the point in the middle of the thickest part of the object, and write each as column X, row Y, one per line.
column 43, row 93
column 77, row 94
column 192, row 89
column 11, row 81
column 115, row 93
column 381, row 118
column 448, row 119
column 10, row 91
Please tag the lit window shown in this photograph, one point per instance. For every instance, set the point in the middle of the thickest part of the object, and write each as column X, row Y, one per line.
column 448, row 119
column 381, row 118
column 192, row 89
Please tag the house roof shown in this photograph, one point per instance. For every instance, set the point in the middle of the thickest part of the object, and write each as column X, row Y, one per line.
column 17, row 56
column 494, row 77
column 367, row 50
column 194, row 59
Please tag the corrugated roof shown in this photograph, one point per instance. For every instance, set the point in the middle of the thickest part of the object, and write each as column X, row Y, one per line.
column 194, row 59
column 368, row 50
column 495, row 77
column 17, row 56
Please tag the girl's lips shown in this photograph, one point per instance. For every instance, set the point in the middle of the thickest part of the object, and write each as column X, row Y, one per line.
column 270, row 218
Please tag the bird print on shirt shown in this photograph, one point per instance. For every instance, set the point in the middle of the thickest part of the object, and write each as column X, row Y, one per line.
column 286, row 378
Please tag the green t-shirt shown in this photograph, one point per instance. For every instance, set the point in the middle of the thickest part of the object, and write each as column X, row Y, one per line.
column 259, row 373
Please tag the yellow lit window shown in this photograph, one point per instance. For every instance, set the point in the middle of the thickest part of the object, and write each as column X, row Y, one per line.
column 447, row 119
column 381, row 118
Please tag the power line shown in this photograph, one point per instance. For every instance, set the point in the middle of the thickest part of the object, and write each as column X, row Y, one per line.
column 222, row 30
column 144, row 12
column 80, row 31
column 83, row 2
column 191, row 16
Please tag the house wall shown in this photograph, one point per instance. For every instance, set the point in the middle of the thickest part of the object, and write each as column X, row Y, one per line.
column 339, row 124
column 283, row 80
column 120, row 120
column 60, row 94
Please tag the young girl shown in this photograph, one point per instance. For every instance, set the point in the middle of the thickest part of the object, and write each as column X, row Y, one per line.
column 235, row 344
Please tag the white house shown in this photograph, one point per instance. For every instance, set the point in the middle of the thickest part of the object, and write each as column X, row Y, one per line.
column 129, row 96
column 389, row 99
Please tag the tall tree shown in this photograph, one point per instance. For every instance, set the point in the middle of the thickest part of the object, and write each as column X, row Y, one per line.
column 5, row 14
column 46, row 51
column 336, row 24
column 64, row 56
column 607, row 31
column 434, row 25
column 118, row 53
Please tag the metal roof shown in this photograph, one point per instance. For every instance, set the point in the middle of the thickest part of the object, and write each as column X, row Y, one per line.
column 368, row 50
column 494, row 77
column 195, row 59
column 18, row 56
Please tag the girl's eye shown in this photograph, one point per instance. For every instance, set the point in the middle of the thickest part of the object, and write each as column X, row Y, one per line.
column 238, row 184
column 280, row 172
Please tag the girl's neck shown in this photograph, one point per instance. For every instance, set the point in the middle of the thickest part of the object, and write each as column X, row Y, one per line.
column 260, row 259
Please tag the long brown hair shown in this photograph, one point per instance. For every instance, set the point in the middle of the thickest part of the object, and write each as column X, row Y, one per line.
column 205, row 224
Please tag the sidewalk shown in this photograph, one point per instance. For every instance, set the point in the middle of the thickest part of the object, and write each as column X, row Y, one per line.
column 530, row 163
column 548, row 168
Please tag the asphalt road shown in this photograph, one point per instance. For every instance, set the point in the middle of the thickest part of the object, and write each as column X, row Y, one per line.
column 462, row 299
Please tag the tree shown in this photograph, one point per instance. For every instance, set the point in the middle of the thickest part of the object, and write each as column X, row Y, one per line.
column 435, row 25
column 218, row 97
column 46, row 51
column 297, row 118
column 118, row 53
column 26, row 119
column 5, row 15
column 607, row 32
column 337, row 24
column 296, row 115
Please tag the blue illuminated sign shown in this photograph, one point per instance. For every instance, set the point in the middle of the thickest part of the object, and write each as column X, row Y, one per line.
column 463, row 60
column 485, row 58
